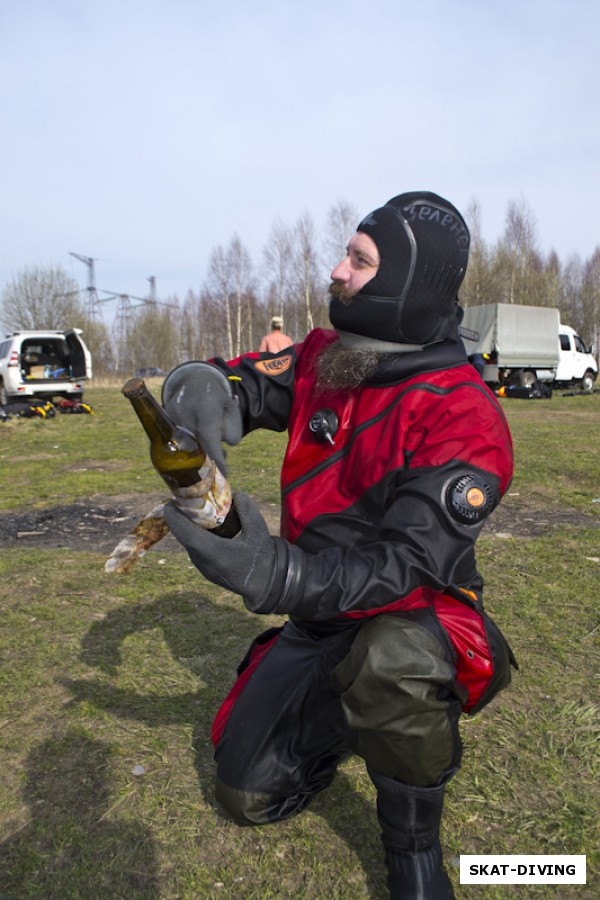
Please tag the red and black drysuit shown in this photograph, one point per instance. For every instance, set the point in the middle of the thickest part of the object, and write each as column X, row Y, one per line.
column 386, row 640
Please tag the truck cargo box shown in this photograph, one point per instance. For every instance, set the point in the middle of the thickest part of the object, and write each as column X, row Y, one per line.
column 515, row 336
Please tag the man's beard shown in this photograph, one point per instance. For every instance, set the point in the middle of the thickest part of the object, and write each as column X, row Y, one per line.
column 340, row 292
column 341, row 369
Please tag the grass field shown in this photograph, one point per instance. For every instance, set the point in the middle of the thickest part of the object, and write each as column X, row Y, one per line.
column 109, row 683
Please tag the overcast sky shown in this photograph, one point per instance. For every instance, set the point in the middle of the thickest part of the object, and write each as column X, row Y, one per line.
column 143, row 133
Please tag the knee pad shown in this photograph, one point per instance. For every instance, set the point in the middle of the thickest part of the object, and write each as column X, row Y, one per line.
column 244, row 807
column 257, row 808
column 398, row 690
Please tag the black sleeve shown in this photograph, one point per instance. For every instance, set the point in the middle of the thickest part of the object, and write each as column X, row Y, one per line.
column 425, row 539
column 264, row 385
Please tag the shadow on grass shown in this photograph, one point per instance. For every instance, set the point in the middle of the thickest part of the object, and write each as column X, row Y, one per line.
column 210, row 640
column 353, row 818
column 68, row 849
column 207, row 639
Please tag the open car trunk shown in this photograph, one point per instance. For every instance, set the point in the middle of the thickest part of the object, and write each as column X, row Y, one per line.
column 53, row 359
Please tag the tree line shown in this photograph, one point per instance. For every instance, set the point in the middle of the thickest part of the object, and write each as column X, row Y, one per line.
column 233, row 308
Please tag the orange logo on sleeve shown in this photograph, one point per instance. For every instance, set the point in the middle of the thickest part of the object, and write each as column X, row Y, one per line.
column 274, row 366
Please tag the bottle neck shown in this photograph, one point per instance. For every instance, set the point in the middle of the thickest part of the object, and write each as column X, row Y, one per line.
column 149, row 411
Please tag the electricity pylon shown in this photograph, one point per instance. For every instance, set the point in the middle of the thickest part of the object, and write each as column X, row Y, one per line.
column 92, row 300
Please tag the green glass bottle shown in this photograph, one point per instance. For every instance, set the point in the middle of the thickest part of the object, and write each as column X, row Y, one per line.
column 198, row 487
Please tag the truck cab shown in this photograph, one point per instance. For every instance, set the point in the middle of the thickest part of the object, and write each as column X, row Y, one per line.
column 576, row 364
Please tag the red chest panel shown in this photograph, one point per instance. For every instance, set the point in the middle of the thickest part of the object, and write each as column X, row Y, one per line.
column 432, row 418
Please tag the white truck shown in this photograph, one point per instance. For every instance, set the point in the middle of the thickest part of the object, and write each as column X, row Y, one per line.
column 518, row 345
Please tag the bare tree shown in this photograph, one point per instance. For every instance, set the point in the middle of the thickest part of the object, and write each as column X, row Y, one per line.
column 571, row 291
column 190, row 328
column 591, row 299
column 477, row 287
column 278, row 259
column 42, row 297
column 341, row 223
column 519, row 245
column 46, row 298
column 220, row 276
column 306, row 264
column 101, row 346
column 553, row 279
column 240, row 267
column 153, row 338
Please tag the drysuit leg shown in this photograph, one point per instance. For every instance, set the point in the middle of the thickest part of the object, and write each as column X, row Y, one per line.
column 402, row 703
column 285, row 733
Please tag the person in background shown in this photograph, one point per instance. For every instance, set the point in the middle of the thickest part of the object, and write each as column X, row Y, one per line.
column 276, row 340
column 397, row 455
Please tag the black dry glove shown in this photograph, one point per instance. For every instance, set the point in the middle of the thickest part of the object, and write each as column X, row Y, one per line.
column 266, row 571
column 198, row 396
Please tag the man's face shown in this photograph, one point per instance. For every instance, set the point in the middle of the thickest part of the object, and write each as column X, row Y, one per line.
column 357, row 268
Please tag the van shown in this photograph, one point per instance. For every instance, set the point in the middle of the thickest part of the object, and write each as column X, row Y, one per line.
column 43, row 364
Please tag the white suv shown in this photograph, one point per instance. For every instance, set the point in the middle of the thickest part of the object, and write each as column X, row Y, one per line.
column 43, row 364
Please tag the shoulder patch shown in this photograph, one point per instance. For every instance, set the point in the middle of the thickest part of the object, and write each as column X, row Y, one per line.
column 274, row 366
column 469, row 499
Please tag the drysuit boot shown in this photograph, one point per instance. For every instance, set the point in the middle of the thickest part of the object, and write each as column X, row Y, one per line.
column 410, row 824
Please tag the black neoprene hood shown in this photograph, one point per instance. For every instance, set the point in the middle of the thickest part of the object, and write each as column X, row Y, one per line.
column 423, row 243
